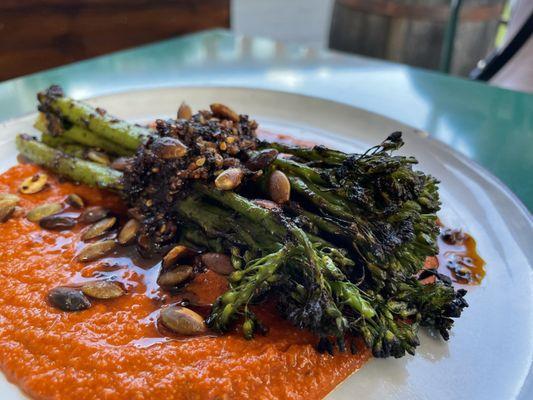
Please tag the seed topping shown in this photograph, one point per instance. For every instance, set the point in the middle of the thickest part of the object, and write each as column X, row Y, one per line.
column 99, row 228
column 94, row 251
column 34, row 184
column 182, row 321
column 43, row 211
column 103, row 290
column 68, row 299
column 128, row 232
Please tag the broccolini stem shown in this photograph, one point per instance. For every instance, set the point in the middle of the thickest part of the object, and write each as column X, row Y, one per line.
column 350, row 295
column 82, row 171
column 129, row 136
column 246, row 208
column 79, row 134
column 249, row 281
column 319, row 154
column 303, row 189
column 216, row 221
column 64, row 145
column 303, row 171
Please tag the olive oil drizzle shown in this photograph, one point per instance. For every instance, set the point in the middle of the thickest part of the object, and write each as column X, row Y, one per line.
column 458, row 257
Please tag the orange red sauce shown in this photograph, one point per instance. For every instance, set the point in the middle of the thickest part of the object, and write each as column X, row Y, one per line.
column 115, row 350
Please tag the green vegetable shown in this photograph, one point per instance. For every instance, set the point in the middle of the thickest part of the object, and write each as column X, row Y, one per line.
column 129, row 136
column 339, row 259
column 78, row 170
column 80, row 135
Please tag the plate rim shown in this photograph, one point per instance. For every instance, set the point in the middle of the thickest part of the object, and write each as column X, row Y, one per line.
column 480, row 171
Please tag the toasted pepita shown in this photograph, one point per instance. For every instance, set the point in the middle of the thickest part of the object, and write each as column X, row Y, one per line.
column 99, row 228
column 44, row 210
column 279, row 187
column 128, row 232
column 68, row 299
column 184, row 112
column 8, row 199
column 57, row 222
column 75, row 201
column 6, row 212
column 217, row 262
column 93, row 214
column 19, row 212
column 34, row 184
column 175, row 277
column 121, row 163
column 229, row 179
column 182, row 321
column 268, row 204
column 94, row 251
column 169, row 148
column 223, row 111
column 176, row 253
column 103, row 290
column 98, row 157
column 262, row 159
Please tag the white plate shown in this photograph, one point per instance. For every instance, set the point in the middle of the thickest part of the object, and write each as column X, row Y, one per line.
column 490, row 352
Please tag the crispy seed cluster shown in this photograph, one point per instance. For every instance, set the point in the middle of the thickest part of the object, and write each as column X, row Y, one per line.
column 199, row 148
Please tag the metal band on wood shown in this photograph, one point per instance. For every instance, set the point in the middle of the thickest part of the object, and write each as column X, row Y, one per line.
column 439, row 13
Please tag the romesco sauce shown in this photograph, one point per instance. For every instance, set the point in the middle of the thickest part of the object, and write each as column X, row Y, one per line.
column 114, row 349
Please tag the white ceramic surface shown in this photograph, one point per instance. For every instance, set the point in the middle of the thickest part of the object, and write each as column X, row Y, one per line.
column 490, row 351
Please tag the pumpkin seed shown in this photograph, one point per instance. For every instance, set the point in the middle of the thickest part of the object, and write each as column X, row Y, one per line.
column 57, row 222
column 229, row 179
column 121, row 163
column 262, row 159
column 175, row 277
column 184, row 112
column 182, row 320
column 94, row 251
column 98, row 157
column 8, row 199
column 169, row 148
column 98, row 228
column 144, row 244
column 6, row 212
column 44, row 210
column 135, row 213
column 268, row 204
column 217, row 262
column 68, row 299
column 176, row 253
column 75, row 201
column 453, row 236
column 279, row 187
column 128, row 232
column 94, row 214
column 19, row 212
column 102, row 290
column 34, row 184
column 220, row 110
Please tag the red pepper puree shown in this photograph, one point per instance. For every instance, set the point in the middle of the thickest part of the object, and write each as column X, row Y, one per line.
column 114, row 350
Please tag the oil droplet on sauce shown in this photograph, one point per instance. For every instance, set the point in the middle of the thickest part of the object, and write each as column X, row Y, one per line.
column 458, row 257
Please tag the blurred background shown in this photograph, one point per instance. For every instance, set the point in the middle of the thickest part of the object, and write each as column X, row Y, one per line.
column 487, row 40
